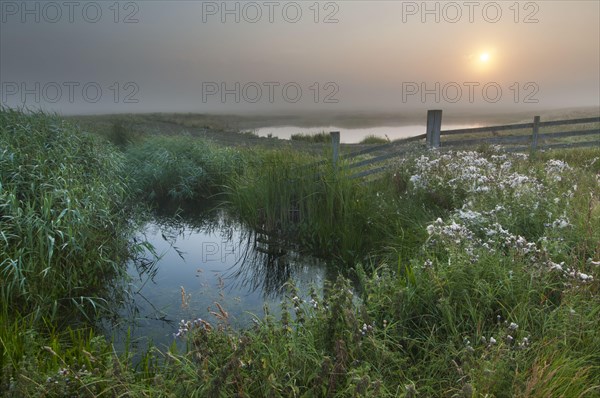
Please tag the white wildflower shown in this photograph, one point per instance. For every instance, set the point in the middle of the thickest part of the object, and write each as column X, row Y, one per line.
column 585, row 277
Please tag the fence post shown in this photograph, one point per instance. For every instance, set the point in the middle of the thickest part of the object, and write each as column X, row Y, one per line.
column 536, row 130
column 434, row 126
column 335, row 142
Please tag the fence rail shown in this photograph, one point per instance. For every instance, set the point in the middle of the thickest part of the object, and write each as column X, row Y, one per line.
column 433, row 139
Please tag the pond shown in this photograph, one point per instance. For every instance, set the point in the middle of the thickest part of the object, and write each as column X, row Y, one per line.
column 203, row 260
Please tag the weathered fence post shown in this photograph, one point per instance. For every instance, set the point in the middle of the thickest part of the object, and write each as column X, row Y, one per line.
column 434, row 126
column 536, row 130
column 335, row 142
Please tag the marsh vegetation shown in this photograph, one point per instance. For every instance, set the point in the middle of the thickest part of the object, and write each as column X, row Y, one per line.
column 475, row 272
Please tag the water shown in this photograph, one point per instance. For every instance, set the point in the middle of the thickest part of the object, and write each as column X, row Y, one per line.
column 205, row 260
column 352, row 136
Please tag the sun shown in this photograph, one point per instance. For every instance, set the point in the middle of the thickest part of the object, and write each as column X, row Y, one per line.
column 483, row 59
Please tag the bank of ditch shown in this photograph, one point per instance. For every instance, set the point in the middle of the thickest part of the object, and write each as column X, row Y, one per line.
column 478, row 270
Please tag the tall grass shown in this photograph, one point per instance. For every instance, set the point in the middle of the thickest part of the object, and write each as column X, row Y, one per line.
column 62, row 220
column 180, row 168
column 485, row 280
column 500, row 300
column 65, row 362
column 331, row 214
column 121, row 134
column 316, row 138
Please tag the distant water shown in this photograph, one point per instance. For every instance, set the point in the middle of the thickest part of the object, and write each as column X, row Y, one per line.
column 352, row 136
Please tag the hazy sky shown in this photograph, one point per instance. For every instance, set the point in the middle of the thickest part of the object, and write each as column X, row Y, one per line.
column 193, row 56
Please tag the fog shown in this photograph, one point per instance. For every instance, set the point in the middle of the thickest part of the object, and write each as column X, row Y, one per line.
column 268, row 57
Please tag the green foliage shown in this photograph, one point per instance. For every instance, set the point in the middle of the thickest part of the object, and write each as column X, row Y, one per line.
column 249, row 133
column 63, row 225
column 71, row 362
column 180, row 168
column 330, row 214
column 373, row 139
column 121, row 134
column 321, row 137
column 482, row 277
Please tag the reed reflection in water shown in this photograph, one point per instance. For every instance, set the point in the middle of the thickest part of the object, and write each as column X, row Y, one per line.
column 210, row 258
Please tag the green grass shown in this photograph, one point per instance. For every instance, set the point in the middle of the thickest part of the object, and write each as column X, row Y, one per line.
column 373, row 139
column 527, row 133
column 63, row 223
column 249, row 133
column 316, row 138
column 179, row 168
column 330, row 214
column 475, row 273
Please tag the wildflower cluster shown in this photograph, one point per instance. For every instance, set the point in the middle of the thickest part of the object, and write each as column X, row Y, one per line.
column 455, row 171
column 509, row 337
column 569, row 272
column 474, row 232
column 531, row 216
column 367, row 329
column 468, row 174
column 556, row 168
column 188, row 326
column 68, row 380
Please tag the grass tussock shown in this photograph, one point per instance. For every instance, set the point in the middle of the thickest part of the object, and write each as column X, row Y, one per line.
column 316, row 138
column 373, row 139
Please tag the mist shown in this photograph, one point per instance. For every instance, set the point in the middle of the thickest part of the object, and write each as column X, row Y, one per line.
column 299, row 57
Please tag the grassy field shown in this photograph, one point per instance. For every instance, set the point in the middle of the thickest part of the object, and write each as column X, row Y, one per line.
column 478, row 271
column 228, row 122
column 526, row 135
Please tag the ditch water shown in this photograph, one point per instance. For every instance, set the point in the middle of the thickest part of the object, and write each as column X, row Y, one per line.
column 202, row 260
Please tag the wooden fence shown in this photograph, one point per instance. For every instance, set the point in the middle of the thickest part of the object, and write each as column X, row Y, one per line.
column 523, row 137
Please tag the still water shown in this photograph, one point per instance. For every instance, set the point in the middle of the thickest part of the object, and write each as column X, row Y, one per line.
column 204, row 260
column 353, row 136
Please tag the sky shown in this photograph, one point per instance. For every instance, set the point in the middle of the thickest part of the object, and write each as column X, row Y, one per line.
column 86, row 57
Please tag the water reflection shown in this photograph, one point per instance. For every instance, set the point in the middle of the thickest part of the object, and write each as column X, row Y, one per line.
column 268, row 263
column 205, row 259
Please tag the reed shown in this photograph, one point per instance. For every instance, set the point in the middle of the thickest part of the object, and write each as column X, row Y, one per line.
column 180, row 168
column 329, row 213
column 475, row 273
column 63, row 224
column 316, row 138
